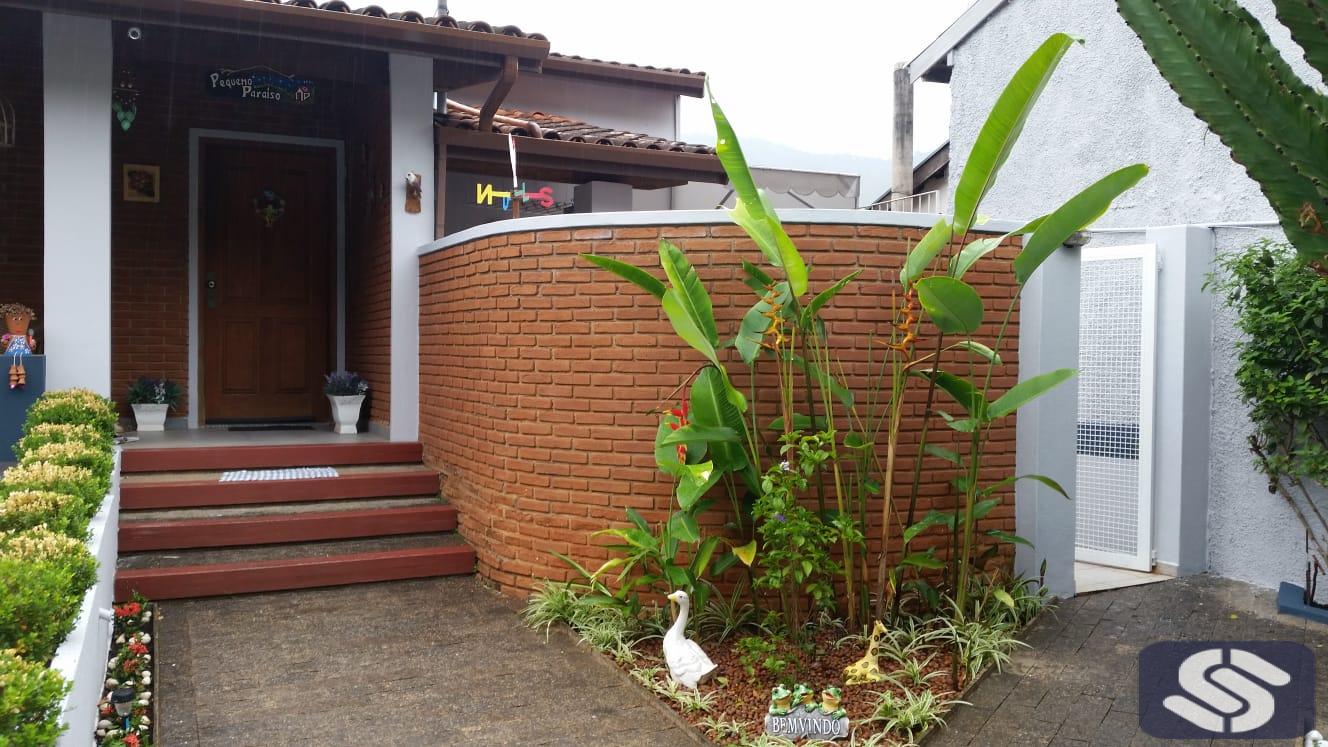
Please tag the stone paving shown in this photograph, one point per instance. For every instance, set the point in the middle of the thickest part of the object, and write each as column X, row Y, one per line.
column 428, row 662
column 1077, row 683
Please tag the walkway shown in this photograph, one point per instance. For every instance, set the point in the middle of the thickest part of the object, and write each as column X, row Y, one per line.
column 1077, row 683
column 429, row 662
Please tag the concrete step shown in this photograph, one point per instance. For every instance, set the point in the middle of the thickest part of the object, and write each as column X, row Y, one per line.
column 153, row 459
column 301, row 572
column 240, row 531
column 194, row 493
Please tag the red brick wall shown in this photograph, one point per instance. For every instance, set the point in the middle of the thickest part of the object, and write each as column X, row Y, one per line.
column 538, row 373
column 369, row 256
column 150, row 241
column 21, row 184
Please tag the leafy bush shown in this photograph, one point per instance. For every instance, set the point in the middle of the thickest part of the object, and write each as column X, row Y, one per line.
column 148, row 391
column 58, row 512
column 30, row 699
column 43, row 577
column 76, row 481
column 42, row 434
column 74, row 406
column 74, row 454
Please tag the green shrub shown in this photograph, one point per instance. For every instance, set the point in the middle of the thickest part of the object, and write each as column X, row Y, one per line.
column 41, row 546
column 74, row 406
column 30, row 699
column 43, row 577
column 98, row 461
column 42, row 434
column 76, row 481
column 27, row 509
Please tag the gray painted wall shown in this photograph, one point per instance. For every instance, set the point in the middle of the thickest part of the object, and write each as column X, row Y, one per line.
column 1107, row 107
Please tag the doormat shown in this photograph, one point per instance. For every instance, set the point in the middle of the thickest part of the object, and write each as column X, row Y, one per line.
column 297, row 473
column 272, row 427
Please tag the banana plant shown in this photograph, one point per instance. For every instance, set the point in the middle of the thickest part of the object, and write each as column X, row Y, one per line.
column 1220, row 61
column 934, row 271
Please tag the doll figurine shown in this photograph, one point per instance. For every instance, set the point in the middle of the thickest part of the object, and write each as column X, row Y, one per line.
column 17, row 340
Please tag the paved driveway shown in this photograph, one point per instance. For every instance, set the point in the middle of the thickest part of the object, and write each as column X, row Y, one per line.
column 428, row 662
column 1077, row 684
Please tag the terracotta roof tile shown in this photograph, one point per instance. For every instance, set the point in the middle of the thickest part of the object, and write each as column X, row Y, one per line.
column 409, row 16
column 555, row 127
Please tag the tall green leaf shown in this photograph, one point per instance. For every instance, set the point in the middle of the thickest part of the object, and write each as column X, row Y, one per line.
column 752, row 212
column 953, row 306
column 693, row 433
column 691, row 293
column 1026, row 391
column 1306, row 20
column 1073, row 216
column 711, row 408
column 696, row 480
column 757, row 321
column 921, row 255
column 962, row 390
column 631, row 273
column 1004, row 124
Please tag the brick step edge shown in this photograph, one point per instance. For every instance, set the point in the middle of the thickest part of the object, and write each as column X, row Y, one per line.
column 276, row 456
column 189, row 582
column 202, row 493
column 242, row 531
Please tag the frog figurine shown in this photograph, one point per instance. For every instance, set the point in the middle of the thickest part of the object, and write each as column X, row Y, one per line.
column 780, row 700
column 830, row 702
column 17, row 340
column 805, row 696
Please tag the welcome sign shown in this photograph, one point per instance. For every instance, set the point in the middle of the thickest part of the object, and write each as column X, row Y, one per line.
column 262, row 84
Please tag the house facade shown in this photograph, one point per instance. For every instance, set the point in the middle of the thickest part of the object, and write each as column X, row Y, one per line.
column 230, row 193
column 1107, row 106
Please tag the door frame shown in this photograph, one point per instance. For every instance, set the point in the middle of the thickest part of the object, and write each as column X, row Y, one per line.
column 196, row 136
column 1143, row 559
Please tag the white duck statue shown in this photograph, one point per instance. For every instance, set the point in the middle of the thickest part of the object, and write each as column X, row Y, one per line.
column 688, row 664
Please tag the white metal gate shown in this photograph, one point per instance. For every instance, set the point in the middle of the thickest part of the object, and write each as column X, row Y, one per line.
column 1114, row 463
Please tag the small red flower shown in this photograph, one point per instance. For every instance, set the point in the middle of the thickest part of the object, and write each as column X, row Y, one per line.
column 681, row 420
column 130, row 666
column 138, row 648
column 131, row 740
column 128, row 610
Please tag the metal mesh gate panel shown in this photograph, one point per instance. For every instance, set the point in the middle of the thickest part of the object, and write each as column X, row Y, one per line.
column 1114, row 360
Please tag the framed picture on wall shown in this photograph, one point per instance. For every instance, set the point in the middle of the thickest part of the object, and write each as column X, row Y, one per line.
column 142, row 183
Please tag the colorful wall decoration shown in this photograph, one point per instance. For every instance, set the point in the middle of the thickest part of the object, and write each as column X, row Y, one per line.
column 485, row 195
column 260, row 84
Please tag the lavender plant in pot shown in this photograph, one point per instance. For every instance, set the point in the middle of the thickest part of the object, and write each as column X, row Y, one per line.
column 346, row 392
column 151, row 399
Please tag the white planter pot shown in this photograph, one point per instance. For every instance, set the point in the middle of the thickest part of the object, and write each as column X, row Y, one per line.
column 150, row 417
column 345, row 412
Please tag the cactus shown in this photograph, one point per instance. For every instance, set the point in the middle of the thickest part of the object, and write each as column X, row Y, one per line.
column 1217, row 57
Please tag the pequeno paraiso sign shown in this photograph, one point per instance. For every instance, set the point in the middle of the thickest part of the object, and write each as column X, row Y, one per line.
column 261, row 84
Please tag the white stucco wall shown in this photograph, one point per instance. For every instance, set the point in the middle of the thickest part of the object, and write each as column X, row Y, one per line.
column 1106, row 107
column 631, row 108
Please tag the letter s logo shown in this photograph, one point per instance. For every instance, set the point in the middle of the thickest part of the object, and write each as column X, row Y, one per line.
column 1212, row 708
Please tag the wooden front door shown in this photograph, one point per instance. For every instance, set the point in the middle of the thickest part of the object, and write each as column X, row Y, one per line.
column 267, row 246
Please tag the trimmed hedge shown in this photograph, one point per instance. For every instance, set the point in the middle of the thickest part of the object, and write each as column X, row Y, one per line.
column 65, row 467
column 30, row 698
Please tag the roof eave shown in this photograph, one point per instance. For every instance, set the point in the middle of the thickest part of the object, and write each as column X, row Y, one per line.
column 327, row 27
column 683, row 84
column 935, row 63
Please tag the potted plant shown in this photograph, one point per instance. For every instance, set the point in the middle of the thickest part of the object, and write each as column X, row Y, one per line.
column 151, row 398
column 346, row 392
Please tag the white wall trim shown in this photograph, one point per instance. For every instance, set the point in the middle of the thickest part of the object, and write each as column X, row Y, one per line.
column 411, row 109
column 195, row 193
column 698, row 218
column 76, row 224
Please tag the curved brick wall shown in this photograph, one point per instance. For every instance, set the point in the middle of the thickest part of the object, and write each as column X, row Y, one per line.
column 538, row 373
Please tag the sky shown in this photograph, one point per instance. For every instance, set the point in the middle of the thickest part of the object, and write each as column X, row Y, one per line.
column 794, row 78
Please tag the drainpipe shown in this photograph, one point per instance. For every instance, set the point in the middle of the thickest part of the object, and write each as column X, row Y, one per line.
column 501, row 87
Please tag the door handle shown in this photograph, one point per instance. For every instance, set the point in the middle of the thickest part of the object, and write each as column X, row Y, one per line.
column 210, row 295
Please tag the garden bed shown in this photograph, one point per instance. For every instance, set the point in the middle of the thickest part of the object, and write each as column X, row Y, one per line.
column 131, row 668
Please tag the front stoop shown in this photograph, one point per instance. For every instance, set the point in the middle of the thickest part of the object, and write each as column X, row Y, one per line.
column 184, row 534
